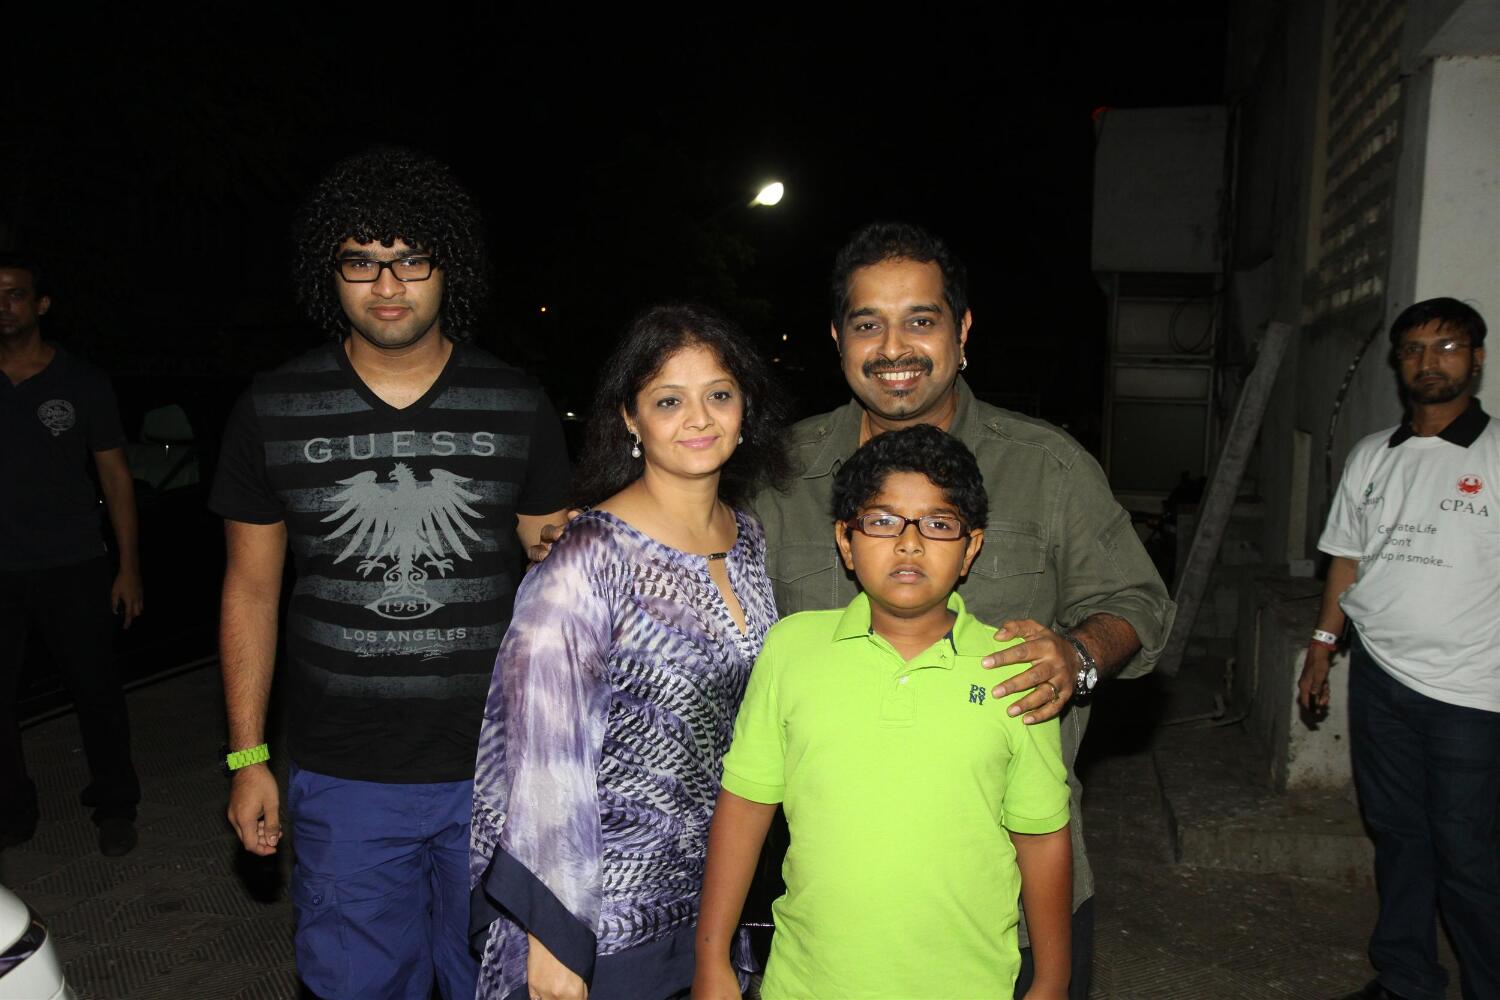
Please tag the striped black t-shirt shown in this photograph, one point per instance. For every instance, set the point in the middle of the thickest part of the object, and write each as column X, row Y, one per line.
column 402, row 527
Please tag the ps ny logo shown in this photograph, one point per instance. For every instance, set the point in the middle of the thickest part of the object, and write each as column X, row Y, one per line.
column 976, row 694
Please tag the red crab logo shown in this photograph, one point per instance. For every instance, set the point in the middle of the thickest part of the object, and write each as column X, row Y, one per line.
column 1470, row 485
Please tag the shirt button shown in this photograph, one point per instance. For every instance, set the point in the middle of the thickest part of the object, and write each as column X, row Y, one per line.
column 904, row 679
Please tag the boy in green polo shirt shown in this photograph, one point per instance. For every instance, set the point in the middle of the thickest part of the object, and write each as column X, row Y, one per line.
column 917, row 807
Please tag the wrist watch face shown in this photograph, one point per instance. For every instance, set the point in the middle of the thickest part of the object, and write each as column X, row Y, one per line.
column 1087, row 678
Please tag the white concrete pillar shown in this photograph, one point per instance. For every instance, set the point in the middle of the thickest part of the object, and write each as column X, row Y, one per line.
column 1447, row 224
column 1318, row 759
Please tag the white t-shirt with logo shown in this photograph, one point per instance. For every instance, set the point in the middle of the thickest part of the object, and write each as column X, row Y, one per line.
column 1423, row 519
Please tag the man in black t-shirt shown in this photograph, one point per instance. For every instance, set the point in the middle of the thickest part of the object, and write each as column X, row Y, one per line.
column 60, row 423
column 407, row 470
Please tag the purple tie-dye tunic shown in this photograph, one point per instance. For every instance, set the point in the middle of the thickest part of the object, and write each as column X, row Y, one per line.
column 611, row 707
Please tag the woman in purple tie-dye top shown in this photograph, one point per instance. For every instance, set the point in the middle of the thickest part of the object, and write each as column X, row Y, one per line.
column 615, row 689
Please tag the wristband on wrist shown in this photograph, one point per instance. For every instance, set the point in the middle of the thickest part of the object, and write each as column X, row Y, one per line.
column 237, row 759
column 1321, row 637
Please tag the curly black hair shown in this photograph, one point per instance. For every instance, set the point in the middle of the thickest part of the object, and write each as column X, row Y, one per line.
column 922, row 448
column 606, row 466
column 882, row 241
column 382, row 195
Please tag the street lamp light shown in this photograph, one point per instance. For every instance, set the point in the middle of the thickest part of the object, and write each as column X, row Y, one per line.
column 769, row 195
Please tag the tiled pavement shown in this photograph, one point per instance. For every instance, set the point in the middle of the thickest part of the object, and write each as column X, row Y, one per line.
column 185, row 915
column 1169, row 931
column 188, row 915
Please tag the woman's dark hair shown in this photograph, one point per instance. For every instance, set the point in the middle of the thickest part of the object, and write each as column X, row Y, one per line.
column 1448, row 314
column 380, row 196
column 879, row 242
column 924, row 449
column 606, row 466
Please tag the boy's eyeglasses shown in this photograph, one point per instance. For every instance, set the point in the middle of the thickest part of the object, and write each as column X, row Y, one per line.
column 936, row 527
column 363, row 270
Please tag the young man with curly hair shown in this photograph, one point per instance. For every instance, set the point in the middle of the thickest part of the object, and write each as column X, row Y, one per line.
column 407, row 470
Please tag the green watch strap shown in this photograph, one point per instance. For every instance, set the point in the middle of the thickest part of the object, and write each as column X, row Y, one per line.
column 244, row 758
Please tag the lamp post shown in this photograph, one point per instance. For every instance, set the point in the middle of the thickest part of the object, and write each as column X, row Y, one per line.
column 769, row 195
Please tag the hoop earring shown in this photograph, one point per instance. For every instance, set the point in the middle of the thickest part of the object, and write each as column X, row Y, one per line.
column 635, row 445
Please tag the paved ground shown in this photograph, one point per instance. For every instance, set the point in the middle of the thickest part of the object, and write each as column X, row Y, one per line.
column 188, row 915
column 1168, row 930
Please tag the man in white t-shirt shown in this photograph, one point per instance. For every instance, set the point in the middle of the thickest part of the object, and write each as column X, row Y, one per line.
column 1415, row 538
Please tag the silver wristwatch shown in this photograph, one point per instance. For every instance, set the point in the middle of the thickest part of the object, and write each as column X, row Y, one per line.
column 1088, row 670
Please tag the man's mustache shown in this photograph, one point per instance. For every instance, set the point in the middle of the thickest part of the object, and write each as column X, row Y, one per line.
column 878, row 365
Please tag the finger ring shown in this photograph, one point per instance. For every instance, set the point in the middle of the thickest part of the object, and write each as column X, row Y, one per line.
column 1056, row 694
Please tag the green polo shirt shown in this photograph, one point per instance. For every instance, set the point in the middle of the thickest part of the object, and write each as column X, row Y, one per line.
column 1058, row 547
column 900, row 780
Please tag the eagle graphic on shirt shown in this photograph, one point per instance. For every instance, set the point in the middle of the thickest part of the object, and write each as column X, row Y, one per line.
column 409, row 531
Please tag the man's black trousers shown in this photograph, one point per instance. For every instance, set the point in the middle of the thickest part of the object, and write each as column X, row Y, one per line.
column 68, row 606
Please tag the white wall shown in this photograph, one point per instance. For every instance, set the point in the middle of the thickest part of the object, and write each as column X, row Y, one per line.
column 1448, row 193
column 1460, row 232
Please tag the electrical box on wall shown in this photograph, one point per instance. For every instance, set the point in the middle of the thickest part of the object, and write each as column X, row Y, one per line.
column 1158, row 252
column 1160, row 388
column 1159, row 190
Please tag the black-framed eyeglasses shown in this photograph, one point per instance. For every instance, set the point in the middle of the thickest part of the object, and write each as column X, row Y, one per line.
column 1444, row 349
column 935, row 527
column 362, row 270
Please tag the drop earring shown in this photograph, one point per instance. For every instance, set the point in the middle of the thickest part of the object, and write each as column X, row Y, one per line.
column 740, row 439
column 635, row 445
column 963, row 362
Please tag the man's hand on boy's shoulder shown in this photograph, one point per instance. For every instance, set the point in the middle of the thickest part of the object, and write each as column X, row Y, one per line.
column 1050, row 678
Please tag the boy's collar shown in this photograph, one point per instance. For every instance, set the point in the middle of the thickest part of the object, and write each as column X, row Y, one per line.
column 968, row 636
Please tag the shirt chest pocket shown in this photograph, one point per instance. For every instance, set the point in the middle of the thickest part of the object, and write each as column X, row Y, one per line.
column 809, row 577
column 1006, row 581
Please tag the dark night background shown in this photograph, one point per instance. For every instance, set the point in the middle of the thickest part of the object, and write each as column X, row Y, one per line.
column 157, row 166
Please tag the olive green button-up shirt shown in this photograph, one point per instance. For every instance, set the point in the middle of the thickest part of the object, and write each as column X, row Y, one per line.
column 1058, row 547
